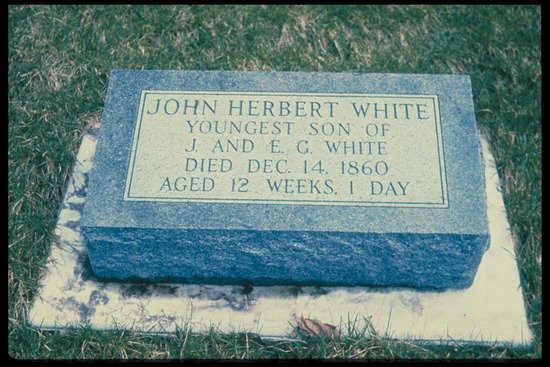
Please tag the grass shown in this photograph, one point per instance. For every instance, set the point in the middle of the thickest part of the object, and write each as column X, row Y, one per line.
column 86, row 343
column 59, row 61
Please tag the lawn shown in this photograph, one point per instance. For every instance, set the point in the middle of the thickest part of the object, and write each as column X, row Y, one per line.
column 59, row 61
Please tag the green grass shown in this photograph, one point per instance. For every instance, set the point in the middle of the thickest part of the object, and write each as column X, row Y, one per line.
column 59, row 61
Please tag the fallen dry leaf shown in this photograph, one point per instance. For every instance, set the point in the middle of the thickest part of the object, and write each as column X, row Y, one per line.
column 312, row 327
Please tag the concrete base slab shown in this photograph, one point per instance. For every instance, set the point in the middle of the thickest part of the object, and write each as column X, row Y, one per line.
column 491, row 311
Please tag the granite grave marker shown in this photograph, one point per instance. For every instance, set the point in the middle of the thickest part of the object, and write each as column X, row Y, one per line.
column 287, row 178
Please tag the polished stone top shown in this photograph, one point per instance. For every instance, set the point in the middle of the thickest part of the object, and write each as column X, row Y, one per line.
column 288, row 151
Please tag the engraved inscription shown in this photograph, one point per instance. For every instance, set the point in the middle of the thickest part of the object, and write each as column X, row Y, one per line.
column 288, row 148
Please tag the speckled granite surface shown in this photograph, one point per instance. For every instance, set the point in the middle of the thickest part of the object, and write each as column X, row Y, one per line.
column 490, row 311
column 418, row 243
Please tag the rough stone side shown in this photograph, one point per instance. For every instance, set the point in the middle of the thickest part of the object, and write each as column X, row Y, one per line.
column 271, row 258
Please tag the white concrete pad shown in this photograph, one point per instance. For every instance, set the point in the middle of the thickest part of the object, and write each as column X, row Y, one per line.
column 491, row 311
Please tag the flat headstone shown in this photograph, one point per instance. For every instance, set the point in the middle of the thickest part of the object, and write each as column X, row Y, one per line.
column 287, row 178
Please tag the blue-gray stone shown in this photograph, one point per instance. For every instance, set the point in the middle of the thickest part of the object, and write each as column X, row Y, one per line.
column 431, row 233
